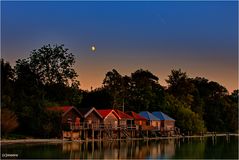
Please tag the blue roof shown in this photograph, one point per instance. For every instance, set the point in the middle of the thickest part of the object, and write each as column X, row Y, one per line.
column 163, row 116
column 149, row 116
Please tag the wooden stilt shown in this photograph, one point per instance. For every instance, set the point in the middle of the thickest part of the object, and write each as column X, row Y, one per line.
column 93, row 134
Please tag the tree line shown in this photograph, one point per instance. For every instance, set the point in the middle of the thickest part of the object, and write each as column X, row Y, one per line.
column 47, row 78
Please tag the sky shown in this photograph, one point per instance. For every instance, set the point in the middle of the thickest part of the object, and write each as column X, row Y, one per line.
column 200, row 38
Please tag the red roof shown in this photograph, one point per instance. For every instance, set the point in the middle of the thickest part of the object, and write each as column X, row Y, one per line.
column 60, row 108
column 63, row 109
column 106, row 112
column 123, row 115
column 136, row 116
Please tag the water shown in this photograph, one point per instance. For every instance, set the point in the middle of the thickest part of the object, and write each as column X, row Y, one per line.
column 192, row 148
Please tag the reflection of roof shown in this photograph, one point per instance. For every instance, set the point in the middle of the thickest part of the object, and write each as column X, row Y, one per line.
column 86, row 111
column 136, row 116
column 63, row 109
column 105, row 112
column 149, row 116
column 163, row 116
column 123, row 115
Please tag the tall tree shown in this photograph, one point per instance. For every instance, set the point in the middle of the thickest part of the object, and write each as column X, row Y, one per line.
column 113, row 82
column 7, row 84
column 181, row 86
column 53, row 64
column 143, row 85
column 29, row 97
column 45, row 77
column 52, row 67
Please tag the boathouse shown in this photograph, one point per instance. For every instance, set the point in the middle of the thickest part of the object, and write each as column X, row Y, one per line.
column 152, row 120
column 70, row 116
column 139, row 121
column 110, row 118
column 125, row 121
column 92, row 118
column 91, row 123
column 167, row 123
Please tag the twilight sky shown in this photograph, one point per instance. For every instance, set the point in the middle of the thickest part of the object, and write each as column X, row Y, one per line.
column 201, row 38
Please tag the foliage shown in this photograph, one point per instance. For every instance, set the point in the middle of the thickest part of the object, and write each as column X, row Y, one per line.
column 8, row 121
column 99, row 98
column 140, row 90
column 181, row 87
column 186, row 119
column 52, row 124
column 114, row 83
column 43, row 79
column 7, row 82
column 53, row 64
column 145, row 89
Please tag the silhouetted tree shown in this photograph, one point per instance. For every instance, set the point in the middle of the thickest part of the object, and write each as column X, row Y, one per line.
column 7, row 84
column 113, row 82
column 143, row 92
column 181, row 87
column 99, row 98
column 53, row 65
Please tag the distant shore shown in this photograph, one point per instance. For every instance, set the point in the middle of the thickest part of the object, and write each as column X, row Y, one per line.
column 6, row 141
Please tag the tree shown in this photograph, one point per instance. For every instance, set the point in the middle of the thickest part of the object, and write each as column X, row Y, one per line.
column 45, row 77
column 99, row 98
column 113, row 82
column 7, row 84
column 234, row 96
column 53, row 65
column 186, row 119
column 143, row 90
column 181, row 86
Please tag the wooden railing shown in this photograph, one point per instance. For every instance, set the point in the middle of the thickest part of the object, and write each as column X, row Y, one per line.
column 102, row 126
column 98, row 126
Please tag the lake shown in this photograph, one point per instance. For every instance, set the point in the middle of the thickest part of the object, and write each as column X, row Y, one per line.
column 187, row 148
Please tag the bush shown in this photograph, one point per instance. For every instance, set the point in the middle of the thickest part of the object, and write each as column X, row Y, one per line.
column 8, row 121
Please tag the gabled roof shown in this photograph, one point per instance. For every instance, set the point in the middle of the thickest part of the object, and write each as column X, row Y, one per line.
column 86, row 111
column 105, row 112
column 149, row 116
column 63, row 109
column 123, row 115
column 162, row 116
column 136, row 116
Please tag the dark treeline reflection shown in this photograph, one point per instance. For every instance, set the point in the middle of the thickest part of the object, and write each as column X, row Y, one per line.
column 219, row 147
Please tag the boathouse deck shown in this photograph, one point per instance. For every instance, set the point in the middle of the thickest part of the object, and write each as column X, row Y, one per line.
column 85, row 131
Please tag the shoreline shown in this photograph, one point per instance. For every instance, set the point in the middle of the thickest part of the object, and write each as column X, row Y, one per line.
column 17, row 141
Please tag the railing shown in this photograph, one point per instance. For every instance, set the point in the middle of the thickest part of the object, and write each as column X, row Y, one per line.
column 102, row 126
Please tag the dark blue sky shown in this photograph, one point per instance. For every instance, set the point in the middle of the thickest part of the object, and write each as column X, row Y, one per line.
column 199, row 37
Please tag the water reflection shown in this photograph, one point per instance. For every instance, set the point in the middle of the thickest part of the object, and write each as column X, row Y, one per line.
column 187, row 148
column 121, row 149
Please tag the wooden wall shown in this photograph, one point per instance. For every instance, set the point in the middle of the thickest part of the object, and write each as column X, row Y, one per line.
column 111, row 120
